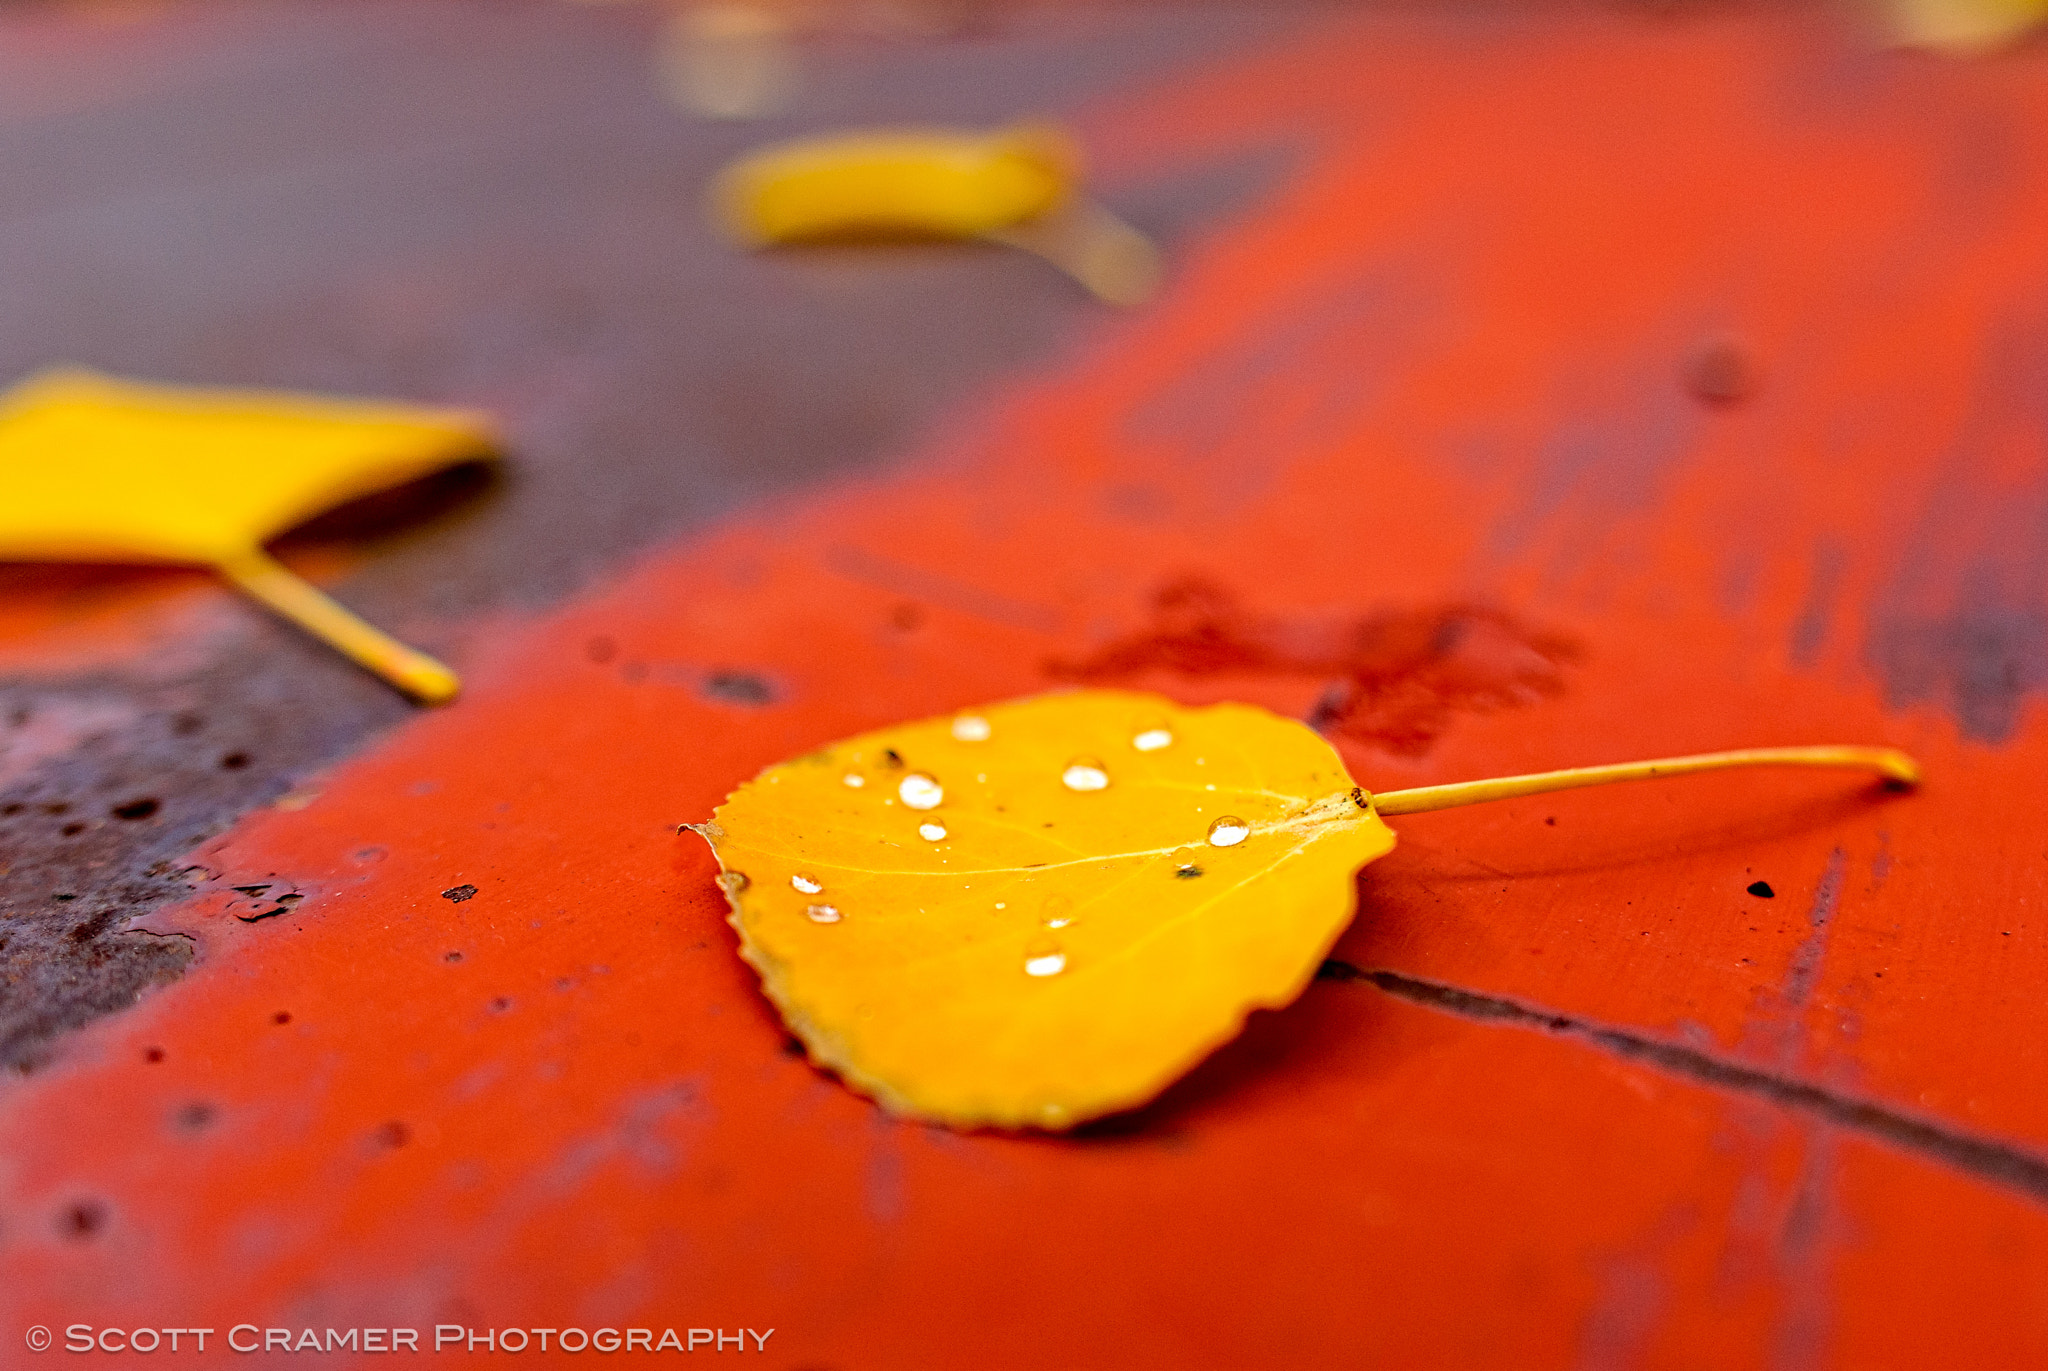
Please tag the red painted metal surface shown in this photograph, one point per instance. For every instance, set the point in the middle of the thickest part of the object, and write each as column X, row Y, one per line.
column 1580, row 1099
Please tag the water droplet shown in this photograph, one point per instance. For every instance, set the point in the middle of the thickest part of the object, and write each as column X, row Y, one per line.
column 1152, row 739
column 1045, row 964
column 855, row 779
column 1084, row 773
column 920, row 791
column 808, row 884
column 822, row 913
column 1228, row 832
column 735, row 881
column 971, row 728
column 1001, row 905
column 1059, row 911
column 931, row 832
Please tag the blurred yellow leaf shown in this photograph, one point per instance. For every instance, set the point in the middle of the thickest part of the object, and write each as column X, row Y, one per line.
column 1962, row 28
column 1045, row 910
column 1018, row 186
column 99, row 470
column 939, row 182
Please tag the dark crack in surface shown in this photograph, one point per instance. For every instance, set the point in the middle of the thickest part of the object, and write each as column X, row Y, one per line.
column 2000, row 1163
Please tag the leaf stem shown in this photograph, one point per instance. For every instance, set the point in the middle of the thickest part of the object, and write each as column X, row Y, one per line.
column 284, row 592
column 1118, row 264
column 1895, row 766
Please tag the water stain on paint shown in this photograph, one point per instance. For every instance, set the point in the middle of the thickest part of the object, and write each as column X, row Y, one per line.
column 1398, row 678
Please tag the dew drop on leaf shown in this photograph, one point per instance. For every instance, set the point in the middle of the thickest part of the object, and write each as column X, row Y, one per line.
column 971, row 728
column 822, row 913
column 1045, row 964
column 1228, row 831
column 809, row 885
column 932, row 832
column 1152, row 739
column 1084, row 773
column 1059, row 911
column 855, row 779
column 920, row 791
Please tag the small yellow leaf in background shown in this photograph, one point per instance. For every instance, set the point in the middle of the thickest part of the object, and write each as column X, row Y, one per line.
column 99, row 470
column 1045, row 910
column 1019, row 186
column 1962, row 28
column 942, row 182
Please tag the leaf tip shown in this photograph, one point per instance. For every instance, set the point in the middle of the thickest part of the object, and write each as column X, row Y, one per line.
column 1899, row 770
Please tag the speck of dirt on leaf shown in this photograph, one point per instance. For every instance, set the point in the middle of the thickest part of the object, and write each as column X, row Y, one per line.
column 138, row 809
column 458, row 893
column 1187, row 873
column 394, row 1134
column 1762, row 890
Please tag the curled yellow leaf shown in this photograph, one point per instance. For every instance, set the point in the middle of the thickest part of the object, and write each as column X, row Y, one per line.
column 940, row 182
column 1045, row 910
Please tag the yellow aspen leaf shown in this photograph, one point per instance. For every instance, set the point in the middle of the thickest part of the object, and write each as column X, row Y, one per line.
column 1033, row 913
column 940, row 182
column 1017, row 186
column 102, row 470
column 1020, row 916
